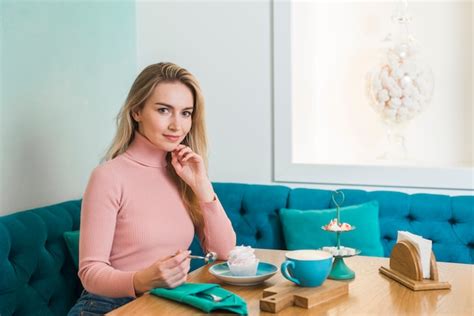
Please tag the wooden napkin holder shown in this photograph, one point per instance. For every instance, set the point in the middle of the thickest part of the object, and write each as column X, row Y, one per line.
column 287, row 294
column 405, row 268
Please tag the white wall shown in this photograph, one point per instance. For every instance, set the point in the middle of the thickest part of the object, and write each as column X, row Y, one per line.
column 227, row 45
column 57, row 132
column 233, row 61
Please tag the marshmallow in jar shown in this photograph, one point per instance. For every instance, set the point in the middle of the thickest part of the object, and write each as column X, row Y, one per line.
column 401, row 86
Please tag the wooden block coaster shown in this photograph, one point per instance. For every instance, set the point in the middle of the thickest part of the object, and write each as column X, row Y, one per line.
column 286, row 294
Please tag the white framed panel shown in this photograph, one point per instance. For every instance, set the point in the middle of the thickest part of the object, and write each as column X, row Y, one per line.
column 286, row 170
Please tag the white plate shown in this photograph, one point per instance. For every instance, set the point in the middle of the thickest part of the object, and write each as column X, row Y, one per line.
column 264, row 271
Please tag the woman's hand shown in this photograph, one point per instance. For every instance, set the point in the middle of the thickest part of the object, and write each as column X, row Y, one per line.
column 190, row 167
column 168, row 273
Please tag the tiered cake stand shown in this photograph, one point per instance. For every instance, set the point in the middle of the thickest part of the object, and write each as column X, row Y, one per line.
column 340, row 271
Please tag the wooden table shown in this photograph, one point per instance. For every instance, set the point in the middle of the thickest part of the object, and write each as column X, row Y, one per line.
column 369, row 293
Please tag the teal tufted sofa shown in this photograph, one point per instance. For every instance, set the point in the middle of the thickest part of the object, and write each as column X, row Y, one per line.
column 38, row 276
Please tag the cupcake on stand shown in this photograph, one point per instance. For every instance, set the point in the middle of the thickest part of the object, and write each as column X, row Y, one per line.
column 339, row 271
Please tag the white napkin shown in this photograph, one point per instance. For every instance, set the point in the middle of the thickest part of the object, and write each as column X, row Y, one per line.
column 424, row 250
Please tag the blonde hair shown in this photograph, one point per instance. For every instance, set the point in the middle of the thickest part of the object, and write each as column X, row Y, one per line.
column 196, row 139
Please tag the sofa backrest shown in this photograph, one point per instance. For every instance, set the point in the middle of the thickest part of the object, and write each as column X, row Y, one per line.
column 253, row 211
column 447, row 221
column 37, row 275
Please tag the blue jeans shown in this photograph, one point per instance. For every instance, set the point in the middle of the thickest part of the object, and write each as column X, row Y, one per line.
column 92, row 305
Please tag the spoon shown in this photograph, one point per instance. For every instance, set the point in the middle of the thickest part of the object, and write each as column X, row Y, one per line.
column 213, row 297
column 209, row 258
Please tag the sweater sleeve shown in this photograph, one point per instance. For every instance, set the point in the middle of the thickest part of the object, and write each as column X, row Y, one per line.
column 219, row 236
column 100, row 205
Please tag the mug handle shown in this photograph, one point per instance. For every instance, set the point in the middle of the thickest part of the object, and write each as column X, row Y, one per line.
column 286, row 274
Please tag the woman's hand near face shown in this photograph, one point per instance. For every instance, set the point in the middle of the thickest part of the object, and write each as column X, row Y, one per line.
column 168, row 273
column 190, row 167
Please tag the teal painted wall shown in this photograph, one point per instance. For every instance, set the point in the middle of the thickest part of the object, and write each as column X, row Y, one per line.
column 66, row 67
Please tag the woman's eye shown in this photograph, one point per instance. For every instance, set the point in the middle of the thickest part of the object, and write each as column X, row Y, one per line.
column 187, row 113
column 163, row 110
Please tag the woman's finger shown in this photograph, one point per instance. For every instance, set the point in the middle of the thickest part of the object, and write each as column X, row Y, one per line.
column 177, row 283
column 177, row 273
column 180, row 277
column 189, row 156
column 186, row 154
column 174, row 161
column 176, row 260
column 184, row 151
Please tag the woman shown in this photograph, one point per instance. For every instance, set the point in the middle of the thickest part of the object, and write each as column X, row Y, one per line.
column 143, row 205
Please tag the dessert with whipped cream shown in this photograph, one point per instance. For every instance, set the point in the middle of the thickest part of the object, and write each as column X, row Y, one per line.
column 333, row 226
column 242, row 261
column 342, row 251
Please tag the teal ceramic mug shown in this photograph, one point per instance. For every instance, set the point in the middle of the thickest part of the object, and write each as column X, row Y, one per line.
column 307, row 267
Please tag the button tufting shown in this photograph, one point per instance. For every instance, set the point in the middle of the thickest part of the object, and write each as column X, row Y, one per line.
column 10, row 256
column 48, row 244
column 242, row 211
column 258, row 235
column 452, row 221
column 410, row 218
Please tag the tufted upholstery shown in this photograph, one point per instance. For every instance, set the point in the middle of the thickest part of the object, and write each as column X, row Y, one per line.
column 37, row 275
column 447, row 221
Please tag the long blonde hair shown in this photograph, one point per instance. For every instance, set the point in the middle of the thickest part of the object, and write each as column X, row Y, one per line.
column 196, row 139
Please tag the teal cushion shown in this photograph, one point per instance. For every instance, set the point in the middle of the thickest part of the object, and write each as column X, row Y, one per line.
column 72, row 242
column 302, row 228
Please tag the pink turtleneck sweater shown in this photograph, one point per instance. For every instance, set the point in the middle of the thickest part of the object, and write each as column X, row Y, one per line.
column 132, row 216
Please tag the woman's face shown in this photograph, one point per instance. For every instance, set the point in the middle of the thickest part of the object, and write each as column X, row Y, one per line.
column 166, row 116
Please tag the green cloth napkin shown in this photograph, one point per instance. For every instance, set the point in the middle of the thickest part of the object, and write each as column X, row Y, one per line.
column 197, row 295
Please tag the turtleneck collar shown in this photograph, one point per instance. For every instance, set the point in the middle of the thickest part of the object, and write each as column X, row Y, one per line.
column 145, row 152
